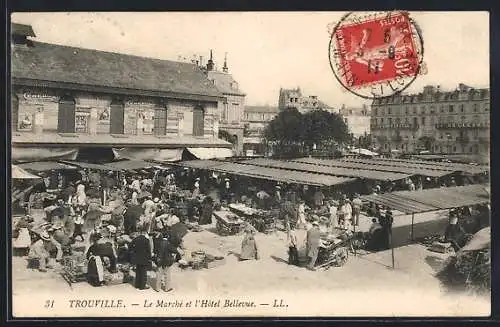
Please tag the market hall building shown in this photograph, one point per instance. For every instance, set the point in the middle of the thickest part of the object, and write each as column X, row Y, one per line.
column 82, row 104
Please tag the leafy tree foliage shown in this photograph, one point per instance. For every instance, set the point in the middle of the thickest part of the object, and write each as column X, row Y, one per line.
column 293, row 132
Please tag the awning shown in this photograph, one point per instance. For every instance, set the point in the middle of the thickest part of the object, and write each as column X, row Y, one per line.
column 160, row 155
column 280, row 175
column 327, row 170
column 364, row 152
column 378, row 166
column 45, row 166
column 480, row 241
column 92, row 166
column 200, row 164
column 130, row 164
column 211, row 153
column 37, row 154
column 434, row 199
column 19, row 173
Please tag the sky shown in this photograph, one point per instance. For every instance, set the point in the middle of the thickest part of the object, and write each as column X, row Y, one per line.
column 267, row 51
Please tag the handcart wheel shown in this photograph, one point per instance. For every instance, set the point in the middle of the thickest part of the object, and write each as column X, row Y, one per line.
column 342, row 256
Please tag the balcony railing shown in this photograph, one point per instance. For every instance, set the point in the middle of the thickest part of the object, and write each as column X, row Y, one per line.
column 463, row 125
column 396, row 126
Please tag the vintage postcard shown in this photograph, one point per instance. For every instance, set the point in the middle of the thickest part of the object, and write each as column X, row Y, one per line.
column 250, row 164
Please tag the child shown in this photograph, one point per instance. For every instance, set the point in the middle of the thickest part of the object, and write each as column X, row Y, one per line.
column 293, row 254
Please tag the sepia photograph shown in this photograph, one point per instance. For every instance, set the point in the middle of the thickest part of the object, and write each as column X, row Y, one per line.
column 250, row 164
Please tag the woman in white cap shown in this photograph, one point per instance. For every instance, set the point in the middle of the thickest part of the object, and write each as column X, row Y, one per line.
column 249, row 249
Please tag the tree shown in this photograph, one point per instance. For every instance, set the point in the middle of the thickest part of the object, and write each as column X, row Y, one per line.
column 293, row 133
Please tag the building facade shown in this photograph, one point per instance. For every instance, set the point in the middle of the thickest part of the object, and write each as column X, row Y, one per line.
column 357, row 119
column 255, row 120
column 444, row 122
column 231, row 109
column 65, row 98
column 293, row 98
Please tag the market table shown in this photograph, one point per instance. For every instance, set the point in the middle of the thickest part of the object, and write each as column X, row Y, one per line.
column 227, row 222
column 264, row 221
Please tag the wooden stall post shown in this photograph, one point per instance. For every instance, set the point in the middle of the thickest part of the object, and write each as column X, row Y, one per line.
column 392, row 247
column 412, row 222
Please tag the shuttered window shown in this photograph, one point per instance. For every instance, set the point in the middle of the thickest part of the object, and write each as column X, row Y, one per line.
column 15, row 111
column 117, row 117
column 66, row 115
column 198, row 121
column 160, row 121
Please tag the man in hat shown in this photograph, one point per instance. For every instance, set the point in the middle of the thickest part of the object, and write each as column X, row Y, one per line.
column 141, row 253
column 312, row 244
column 319, row 197
column 386, row 223
column 168, row 248
column 41, row 250
column 356, row 209
column 131, row 217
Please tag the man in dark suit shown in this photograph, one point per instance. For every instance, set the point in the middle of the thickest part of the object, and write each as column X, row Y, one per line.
column 168, row 248
column 141, row 252
column 131, row 217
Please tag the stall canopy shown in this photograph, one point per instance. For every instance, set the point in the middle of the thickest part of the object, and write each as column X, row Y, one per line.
column 38, row 154
column 130, row 165
column 200, row 164
column 376, row 166
column 280, row 175
column 211, row 153
column 160, row 155
column 19, row 173
column 45, row 166
column 87, row 165
column 335, row 171
column 411, row 202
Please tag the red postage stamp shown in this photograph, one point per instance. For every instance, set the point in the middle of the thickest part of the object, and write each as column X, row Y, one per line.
column 376, row 55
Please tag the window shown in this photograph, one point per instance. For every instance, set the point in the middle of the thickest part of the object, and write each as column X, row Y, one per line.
column 66, row 115
column 198, row 121
column 487, row 107
column 475, row 107
column 414, row 110
column 160, row 121
column 454, row 148
column 442, row 109
column 381, row 121
column 291, row 99
column 422, row 110
column 374, row 111
column 441, row 136
column 476, row 118
column 432, row 109
column 475, row 134
column 415, row 121
column 461, row 108
column 383, row 112
column 450, row 119
column 450, row 108
column 224, row 111
column 14, row 111
column 462, row 119
column 390, row 121
column 407, row 121
column 407, row 110
column 423, row 120
column 389, row 110
column 117, row 117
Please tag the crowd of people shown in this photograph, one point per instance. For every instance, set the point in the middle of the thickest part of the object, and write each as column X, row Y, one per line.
column 131, row 219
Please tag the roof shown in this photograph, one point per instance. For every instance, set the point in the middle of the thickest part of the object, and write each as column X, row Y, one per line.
column 261, row 109
column 65, row 64
column 434, row 199
column 333, row 171
column 224, row 82
column 281, row 175
column 86, row 165
column 375, row 168
column 118, row 140
column 19, row 173
column 22, row 29
column 45, row 166
column 130, row 164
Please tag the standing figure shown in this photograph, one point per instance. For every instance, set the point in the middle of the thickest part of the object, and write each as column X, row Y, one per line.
column 356, row 209
column 249, row 250
column 293, row 253
column 312, row 244
column 301, row 213
column 141, row 252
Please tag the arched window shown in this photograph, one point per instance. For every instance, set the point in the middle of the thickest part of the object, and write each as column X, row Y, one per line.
column 14, row 111
column 117, row 117
column 198, row 121
column 160, row 121
column 66, row 115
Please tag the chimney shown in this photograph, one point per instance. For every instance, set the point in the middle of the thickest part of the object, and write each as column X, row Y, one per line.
column 210, row 64
column 201, row 60
column 225, row 69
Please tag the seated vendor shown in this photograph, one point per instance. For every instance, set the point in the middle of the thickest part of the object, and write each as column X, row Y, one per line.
column 101, row 256
column 44, row 249
column 374, row 226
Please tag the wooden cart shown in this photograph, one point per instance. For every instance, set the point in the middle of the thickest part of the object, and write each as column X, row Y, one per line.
column 228, row 223
column 334, row 251
column 74, row 269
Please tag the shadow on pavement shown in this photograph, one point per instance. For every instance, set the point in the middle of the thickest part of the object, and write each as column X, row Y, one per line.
column 434, row 262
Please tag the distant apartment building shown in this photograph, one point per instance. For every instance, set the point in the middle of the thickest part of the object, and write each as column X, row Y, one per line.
column 444, row 122
column 357, row 119
column 255, row 120
column 231, row 108
column 293, row 98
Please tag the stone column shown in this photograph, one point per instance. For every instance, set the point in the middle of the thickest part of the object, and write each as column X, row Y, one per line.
column 93, row 121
